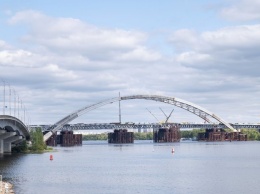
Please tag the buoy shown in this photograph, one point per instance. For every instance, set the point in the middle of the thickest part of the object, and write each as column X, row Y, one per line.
column 51, row 157
column 172, row 150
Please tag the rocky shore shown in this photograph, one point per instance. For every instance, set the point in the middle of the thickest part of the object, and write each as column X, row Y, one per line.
column 6, row 188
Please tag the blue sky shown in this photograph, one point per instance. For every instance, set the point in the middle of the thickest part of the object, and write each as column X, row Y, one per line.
column 142, row 15
column 148, row 16
column 62, row 55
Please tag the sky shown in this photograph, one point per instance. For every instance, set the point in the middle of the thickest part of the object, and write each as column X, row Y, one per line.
column 59, row 56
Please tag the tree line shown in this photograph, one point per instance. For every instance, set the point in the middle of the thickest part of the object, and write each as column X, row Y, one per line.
column 143, row 136
column 103, row 136
column 252, row 134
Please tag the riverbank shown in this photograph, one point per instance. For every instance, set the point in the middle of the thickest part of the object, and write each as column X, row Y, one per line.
column 6, row 188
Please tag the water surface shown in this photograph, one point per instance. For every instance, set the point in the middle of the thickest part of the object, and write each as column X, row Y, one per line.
column 142, row 167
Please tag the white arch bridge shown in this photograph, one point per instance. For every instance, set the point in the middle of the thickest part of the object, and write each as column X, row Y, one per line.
column 188, row 106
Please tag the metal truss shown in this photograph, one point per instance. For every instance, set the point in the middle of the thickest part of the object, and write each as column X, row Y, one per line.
column 188, row 106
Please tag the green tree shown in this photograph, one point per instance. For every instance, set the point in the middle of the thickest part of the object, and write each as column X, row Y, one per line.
column 143, row 136
column 102, row 136
column 252, row 134
column 191, row 133
column 22, row 147
column 38, row 143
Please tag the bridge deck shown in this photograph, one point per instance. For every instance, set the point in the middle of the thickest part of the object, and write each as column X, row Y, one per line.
column 99, row 126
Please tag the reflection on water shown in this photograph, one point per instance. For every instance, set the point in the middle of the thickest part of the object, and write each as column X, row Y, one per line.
column 143, row 167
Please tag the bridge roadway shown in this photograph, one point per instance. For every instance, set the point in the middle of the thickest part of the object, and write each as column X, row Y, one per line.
column 12, row 132
column 99, row 126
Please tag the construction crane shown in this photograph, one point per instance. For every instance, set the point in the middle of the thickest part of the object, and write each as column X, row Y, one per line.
column 153, row 115
column 167, row 117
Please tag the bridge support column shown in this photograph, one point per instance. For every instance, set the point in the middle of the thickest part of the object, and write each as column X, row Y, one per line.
column 8, row 143
column 1, row 142
column 4, row 135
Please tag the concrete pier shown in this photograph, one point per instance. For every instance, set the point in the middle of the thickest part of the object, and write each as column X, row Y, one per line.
column 121, row 136
column 5, row 141
column 219, row 134
column 65, row 138
column 163, row 135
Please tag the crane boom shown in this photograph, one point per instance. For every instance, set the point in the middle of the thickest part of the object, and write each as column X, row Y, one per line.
column 153, row 115
column 167, row 117
column 163, row 112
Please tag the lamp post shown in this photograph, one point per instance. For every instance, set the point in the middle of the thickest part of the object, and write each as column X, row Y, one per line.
column 14, row 102
column 10, row 93
column 4, row 98
column 18, row 107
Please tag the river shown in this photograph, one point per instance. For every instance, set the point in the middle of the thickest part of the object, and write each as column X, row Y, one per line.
column 142, row 167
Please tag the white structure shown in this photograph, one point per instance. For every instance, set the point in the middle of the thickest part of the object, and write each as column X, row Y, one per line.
column 193, row 108
column 12, row 132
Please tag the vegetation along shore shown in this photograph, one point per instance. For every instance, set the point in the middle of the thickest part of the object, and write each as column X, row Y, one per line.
column 252, row 134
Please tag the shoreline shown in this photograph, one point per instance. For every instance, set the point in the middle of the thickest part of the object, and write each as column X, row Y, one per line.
column 7, row 188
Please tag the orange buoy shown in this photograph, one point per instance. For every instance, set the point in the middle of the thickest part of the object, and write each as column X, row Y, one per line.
column 51, row 157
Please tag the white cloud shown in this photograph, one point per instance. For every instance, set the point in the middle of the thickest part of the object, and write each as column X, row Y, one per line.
column 232, row 50
column 139, row 54
column 236, row 37
column 58, row 72
column 71, row 64
column 184, row 39
column 3, row 45
column 194, row 58
column 226, row 68
column 15, row 58
column 74, row 36
column 242, row 10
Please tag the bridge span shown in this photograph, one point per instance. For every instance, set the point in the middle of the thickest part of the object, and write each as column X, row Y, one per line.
column 12, row 132
column 100, row 126
column 188, row 106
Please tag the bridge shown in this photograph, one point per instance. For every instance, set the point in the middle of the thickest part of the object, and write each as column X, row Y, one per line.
column 12, row 128
column 112, row 126
column 188, row 106
column 12, row 132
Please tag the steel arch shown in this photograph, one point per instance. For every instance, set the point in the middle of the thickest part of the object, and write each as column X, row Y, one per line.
column 193, row 108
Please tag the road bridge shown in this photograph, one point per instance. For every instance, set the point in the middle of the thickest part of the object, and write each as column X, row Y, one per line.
column 12, row 132
column 188, row 106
